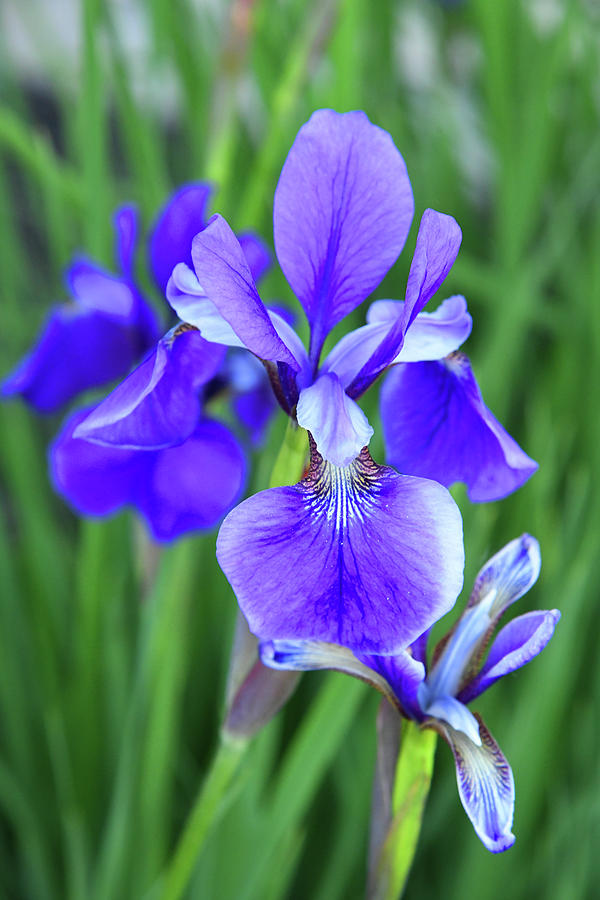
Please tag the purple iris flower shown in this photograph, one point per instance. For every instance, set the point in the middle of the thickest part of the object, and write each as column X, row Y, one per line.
column 436, row 695
column 95, row 338
column 355, row 553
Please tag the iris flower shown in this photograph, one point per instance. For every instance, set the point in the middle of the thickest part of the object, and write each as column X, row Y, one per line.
column 95, row 338
column 435, row 694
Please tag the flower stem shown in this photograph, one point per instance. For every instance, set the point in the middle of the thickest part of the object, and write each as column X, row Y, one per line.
column 411, row 789
column 218, row 787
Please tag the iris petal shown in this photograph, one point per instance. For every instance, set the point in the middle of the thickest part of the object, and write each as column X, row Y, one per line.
column 338, row 425
column 359, row 556
column 343, row 208
column 182, row 217
column 436, row 425
column 485, row 785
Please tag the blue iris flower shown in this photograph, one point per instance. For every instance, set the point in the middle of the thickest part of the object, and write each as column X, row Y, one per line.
column 436, row 694
column 97, row 338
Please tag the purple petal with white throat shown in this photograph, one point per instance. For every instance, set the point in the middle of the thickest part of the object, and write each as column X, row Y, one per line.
column 516, row 644
column 157, row 405
column 225, row 276
column 485, row 785
column 436, row 425
column 338, row 425
column 343, row 208
column 358, row 556
column 182, row 217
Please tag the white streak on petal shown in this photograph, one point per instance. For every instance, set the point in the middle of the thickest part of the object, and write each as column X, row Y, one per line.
column 337, row 423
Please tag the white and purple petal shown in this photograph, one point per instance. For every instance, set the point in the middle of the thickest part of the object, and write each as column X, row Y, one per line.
column 404, row 674
column 485, row 785
column 158, row 404
column 359, row 556
column 436, row 425
column 182, row 217
column 343, row 208
column 337, row 423
column 100, row 291
column 225, row 277
column 515, row 645
column 508, row 575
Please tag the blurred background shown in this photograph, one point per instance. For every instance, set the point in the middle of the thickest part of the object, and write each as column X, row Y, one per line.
column 113, row 652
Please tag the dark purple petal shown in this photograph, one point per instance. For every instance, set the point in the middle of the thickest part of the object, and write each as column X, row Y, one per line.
column 180, row 220
column 436, row 425
column 126, row 228
column 516, row 644
column 254, row 409
column 76, row 350
column 437, row 246
column 192, row 485
column 96, row 481
column 485, row 785
column 343, row 208
column 225, row 276
column 358, row 556
column 181, row 489
column 157, row 405
column 256, row 253
column 337, row 423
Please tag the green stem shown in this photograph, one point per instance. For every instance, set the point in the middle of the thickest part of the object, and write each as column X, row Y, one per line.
column 218, row 786
column 208, row 808
column 411, row 789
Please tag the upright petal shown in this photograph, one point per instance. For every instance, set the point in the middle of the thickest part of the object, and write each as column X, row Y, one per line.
column 359, row 556
column 338, row 425
column 485, row 785
column 508, row 575
column 343, row 208
column 76, row 350
column 437, row 246
column 179, row 221
column 225, row 276
column 126, row 228
column 436, row 425
column 157, row 405
column 516, row 644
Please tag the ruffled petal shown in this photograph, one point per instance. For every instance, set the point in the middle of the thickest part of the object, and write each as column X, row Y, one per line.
column 431, row 336
column 343, row 208
column 192, row 485
column 437, row 246
column 225, row 276
column 485, row 785
column 126, row 228
column 338, row 425
column 180, row 220
column 76, row 350
column 256, row 252
column 516, row 644
column 436, row 425
column 157, row 405
column 358, row 556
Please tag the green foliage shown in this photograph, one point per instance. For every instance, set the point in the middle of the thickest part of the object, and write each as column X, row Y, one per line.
column 113, row 653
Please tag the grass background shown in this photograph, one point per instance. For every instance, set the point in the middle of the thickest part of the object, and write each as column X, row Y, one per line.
column 113, row 659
